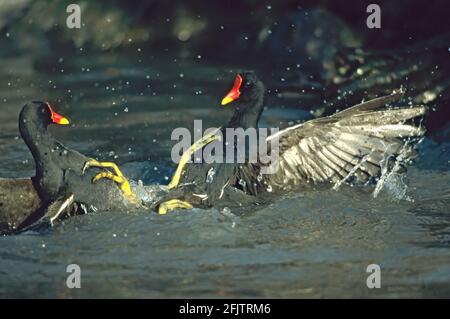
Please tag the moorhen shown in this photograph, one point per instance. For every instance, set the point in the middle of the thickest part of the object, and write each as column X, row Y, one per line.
column 351, row 146
column 62, row 180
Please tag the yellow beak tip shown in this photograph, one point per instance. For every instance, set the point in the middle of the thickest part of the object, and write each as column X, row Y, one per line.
column 64, row 121
column 226, row 100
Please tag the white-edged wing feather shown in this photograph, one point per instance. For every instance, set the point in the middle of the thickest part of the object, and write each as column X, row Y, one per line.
column 349, row 144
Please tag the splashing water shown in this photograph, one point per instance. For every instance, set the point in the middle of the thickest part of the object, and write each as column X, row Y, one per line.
column 392, row 177
column 148, row 193
column 352, row 171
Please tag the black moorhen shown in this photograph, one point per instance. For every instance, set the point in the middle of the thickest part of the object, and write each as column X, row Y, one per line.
column 351, row 146
column 205, row 184
column 61, row 173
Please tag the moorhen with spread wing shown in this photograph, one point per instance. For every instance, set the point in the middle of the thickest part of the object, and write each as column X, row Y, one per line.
column 351, row 146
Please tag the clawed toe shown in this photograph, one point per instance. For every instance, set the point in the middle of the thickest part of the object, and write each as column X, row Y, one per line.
column 117, row 177
column 173, row 204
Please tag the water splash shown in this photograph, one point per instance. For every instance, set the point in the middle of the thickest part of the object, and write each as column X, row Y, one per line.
column 352, row 172
column 148, row 193
column 392, row 173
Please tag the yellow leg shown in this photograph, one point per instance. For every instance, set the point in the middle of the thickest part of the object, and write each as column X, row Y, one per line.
column 172, row 204
column 117, row 177
column 187, row 155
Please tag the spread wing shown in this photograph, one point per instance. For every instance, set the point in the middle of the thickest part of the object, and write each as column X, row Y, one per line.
column 348, row 145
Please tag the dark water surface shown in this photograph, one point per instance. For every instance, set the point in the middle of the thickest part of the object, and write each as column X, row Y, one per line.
column 313, row 244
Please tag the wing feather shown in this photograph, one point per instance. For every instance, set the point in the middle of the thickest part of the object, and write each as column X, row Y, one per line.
column 350, row 144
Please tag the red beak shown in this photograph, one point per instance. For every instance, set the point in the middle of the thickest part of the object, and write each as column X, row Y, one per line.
column 234, row 92
column 57, row 118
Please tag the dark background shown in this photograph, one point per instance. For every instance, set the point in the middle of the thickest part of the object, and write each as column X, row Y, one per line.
column 316, row 55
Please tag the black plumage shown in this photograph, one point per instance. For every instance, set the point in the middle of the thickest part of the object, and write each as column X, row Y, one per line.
column 211, row 179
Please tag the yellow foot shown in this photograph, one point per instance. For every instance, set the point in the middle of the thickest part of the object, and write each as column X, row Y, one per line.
column 172, row 204
column 117, row 177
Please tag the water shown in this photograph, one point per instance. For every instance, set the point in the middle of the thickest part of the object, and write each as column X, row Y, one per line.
column 317, row 243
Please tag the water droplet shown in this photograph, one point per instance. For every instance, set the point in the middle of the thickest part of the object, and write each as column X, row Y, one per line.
column 210, row 175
